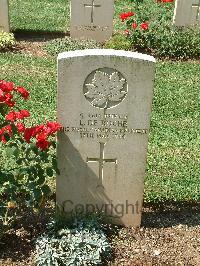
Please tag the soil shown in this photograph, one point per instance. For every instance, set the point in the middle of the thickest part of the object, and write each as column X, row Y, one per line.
column 32, row 43
column 169, row 235
column 30, row 48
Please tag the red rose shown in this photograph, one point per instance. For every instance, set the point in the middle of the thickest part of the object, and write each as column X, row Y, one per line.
column 43, row 144
column 24, row 93
column 10, row 103
column 5, row 130
column 130, row 14
column 144, row 25
column 20, row 127
column 124, row 16
column 22, row 114
column 8, row 100
column 53, row 127
column 29, row 133
column 42, row 136
column 6, row 86
column 11, row 116
column 134, row 25
column 39, row 129
column 127, row 32
column 167, row 1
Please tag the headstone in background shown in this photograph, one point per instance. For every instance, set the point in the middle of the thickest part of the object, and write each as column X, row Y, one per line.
column 187, row 13
column 4, row 16
column 92, row 19
column 104, row 105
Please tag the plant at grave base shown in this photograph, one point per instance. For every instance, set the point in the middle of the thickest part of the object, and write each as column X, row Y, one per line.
column 82, row 243
column 24, row 181
column 148, row 27
column 7, row 40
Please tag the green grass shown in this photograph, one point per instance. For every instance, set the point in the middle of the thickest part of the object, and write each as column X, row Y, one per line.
column 52, row 15
column 174, row 154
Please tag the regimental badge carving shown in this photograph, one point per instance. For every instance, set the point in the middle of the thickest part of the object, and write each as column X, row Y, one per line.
column 105, row 88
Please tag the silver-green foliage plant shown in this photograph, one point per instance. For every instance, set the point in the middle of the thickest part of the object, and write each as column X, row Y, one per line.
column 83, row 244
column 7, row 40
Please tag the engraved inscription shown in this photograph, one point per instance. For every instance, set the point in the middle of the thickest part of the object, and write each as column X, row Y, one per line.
column 105, row 88
column 103, row 126
column 91, row 28
column 101, row 160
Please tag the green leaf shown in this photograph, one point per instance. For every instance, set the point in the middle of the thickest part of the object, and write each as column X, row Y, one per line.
column 12, row 151
column 23, row 171
column 40, row 180
column 54, row 162
column 46, row 190
column 7, row 137
column 53, row 144
column 37, row 193
column 40, row 171
column 19, row 161
column 31, row 186
column 49, row 171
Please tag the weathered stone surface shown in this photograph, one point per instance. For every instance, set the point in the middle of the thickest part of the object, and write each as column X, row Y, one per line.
column 104, row 105
column 92, row 19
column 187, row 13
column 4, row 17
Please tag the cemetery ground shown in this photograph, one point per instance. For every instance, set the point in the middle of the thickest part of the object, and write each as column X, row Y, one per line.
column 170, row 229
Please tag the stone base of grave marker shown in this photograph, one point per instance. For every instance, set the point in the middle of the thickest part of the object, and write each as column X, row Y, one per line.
column 186, row 13
column 92, row 19
column 4, row 16
column 104, row 105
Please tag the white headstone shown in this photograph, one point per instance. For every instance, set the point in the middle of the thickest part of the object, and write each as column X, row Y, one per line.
column 187, row 13
column 104, row 105
column 4, row 17
column 92, row 19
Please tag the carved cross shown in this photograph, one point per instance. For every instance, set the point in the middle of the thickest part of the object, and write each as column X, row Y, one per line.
column 101, row 160
column 198, row 9
column 92, row 6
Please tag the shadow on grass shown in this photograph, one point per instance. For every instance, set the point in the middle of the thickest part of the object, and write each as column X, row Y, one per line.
column 171, row 213
column 33, row 35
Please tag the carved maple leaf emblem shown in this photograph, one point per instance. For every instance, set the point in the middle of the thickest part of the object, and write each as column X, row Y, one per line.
column 106, row 90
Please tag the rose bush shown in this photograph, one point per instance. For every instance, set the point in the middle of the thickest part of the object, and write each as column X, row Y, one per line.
column 146, row 26
column 23, row 182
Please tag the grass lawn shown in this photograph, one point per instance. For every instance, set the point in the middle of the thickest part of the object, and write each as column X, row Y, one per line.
column 52, row 15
